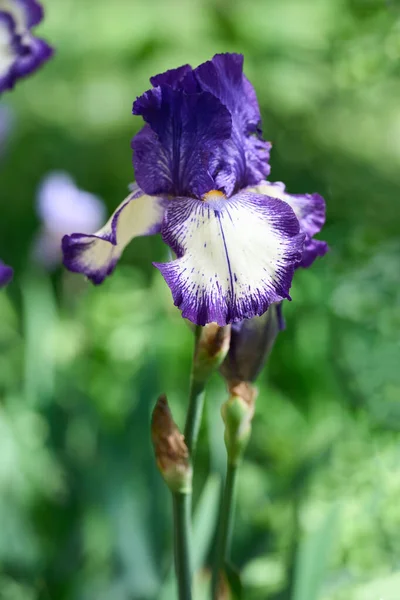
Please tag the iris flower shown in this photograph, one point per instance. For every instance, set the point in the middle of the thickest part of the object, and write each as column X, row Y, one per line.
column 63, row 207
column 201, row 164
column 20, row 52
column 6, row 274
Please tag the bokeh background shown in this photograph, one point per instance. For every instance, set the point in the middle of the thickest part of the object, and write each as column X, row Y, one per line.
column 83, row 512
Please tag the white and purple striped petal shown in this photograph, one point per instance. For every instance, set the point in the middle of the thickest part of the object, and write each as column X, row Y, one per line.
column 9, row 48
column 235, row 256
column 20, row 52
column 96, row 255
column 6, row 274
column 310, row 211
column 176, row 151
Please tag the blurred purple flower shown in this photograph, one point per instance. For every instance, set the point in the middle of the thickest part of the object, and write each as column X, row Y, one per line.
column 62, row 208
column 6, row 274
column 20, row 52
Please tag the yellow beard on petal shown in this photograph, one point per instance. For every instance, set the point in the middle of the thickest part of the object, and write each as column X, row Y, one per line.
column 213, row 195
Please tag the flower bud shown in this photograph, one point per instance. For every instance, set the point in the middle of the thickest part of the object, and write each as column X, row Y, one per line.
column 171, row 452
column 211, row 349
column 237, row 413
column 251, row 342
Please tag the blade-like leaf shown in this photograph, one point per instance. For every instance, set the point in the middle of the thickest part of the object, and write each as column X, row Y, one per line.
column 312, row 558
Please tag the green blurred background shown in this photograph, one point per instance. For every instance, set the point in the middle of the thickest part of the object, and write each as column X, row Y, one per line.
column 83, row 512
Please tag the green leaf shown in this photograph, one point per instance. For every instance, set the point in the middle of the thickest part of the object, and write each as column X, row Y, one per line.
column 312, row 559
column 205, row 520
column 40, row 320
column 234, row 582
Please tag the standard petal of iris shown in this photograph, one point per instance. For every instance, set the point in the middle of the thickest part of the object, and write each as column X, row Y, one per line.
column 173, row 77
column 173, row 153
column 223, row 76
column 96, row 255
column 235, row 256
column 6, row 274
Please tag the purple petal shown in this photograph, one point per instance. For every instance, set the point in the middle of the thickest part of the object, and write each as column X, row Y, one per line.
column 34, row 53
column 28, row 12
column 175, row 152
column 10, row 47
column 20, row 52
column 248, row 158
column 173, row 77
column 310, row 211
column 235, row 257
column 251, row 342
column 6, row 274
column 97, row 255
column 312, row 249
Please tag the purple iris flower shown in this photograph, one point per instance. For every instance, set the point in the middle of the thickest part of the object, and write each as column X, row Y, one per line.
column 200, row 165
column 6, row 274
column 20, row 52
column 62, row 208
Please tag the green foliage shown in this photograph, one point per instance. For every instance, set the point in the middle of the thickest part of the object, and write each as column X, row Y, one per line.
column 83, row 511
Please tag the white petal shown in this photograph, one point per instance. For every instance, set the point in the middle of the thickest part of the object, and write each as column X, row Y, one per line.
column 235, row 257
column 96, row 255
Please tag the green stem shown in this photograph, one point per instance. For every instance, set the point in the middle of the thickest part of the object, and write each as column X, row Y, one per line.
column 194, row 414
column 225, row 520
column 183, row 502
column 183, row 568
column 195, row 405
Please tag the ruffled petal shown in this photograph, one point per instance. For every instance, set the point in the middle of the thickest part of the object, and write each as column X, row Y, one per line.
column 96, row 255
column 6, row 274
column 173, row 154
column 235, row 256
column 310, row 211
column 247, row 162
column 312, row 249
column 308, row 208
column 173, row 77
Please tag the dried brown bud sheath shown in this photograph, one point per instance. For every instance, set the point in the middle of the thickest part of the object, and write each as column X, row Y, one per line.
column 171, row 452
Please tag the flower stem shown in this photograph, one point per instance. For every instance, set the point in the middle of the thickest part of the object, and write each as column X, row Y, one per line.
column 194, row 414
column 195, row 405
column 225, row 520
column 182, row 504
